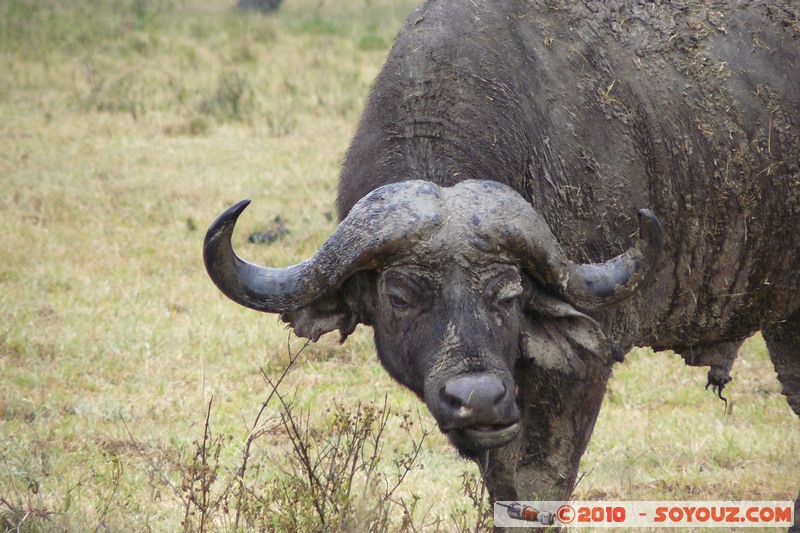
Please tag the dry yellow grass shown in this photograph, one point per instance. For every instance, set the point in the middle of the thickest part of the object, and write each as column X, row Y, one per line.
column 125, row 127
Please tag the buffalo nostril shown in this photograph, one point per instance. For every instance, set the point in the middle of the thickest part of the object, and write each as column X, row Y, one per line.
column 478, row 394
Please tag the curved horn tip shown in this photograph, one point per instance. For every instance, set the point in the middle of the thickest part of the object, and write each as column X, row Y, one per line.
column 226, row 219
column 233, row 212
column 594, row 286
column 241, row 205
column 650, row 228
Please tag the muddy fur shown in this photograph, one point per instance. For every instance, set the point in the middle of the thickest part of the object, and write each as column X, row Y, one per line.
column 591, row 110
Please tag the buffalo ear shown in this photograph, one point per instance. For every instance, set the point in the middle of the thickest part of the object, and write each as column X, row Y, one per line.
column 556, row 336
column 341, row 310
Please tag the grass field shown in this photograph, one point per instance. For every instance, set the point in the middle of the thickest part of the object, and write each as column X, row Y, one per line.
column 126, row 126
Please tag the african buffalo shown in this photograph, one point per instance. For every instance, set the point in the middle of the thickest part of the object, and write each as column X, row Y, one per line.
column 488, row 206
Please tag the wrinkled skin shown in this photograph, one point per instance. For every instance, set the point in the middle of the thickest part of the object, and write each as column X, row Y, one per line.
column 435, row 323
column 589, row 111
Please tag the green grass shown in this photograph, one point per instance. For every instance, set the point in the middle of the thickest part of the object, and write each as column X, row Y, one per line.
column 663, row 436
column 125, row 128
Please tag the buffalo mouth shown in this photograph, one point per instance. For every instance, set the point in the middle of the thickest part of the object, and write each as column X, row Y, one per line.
column 480, row 437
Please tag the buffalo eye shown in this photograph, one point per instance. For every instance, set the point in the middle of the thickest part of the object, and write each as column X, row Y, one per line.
column 398, row 302
column 507, row 296
column 507, row 303
column 405, row 290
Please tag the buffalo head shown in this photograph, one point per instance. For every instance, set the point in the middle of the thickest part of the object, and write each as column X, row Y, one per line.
column 457, row 283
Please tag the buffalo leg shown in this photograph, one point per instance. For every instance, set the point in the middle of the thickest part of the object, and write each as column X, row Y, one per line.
column 558, row 416
column 783, row 341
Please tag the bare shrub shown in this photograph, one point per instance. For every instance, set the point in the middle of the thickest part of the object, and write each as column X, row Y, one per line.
column 331, row 478
column 22, row 514
column 335, row 479
column 231, row 101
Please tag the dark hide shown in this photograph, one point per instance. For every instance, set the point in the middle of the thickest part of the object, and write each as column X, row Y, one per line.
column 591, row 110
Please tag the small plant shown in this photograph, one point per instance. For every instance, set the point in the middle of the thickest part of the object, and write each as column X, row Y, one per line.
column 21, row 511
column 232, row 100
column 474, row 489
column 335, row 478
column 17, row 514
column 280, row 122
column 193, row 126
column 118, row 94
column 199, row 477
column 332, row 478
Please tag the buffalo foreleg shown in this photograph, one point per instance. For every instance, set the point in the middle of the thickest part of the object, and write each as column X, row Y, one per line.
column 783, row 342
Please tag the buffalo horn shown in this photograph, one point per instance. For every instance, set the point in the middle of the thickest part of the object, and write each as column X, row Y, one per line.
column 586, row 286
column 379, row 225
column 598, row 285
